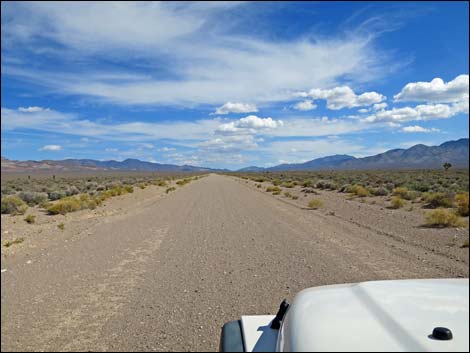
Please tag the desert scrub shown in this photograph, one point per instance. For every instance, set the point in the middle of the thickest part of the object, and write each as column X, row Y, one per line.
column 61, row 226
column 315, row 204
column 400, row 191
column 183, row 182
column 461, row 200
column 437, row 199
column 30, row 219
column 33, row 198
column 277, row 182
column 359, row 191
column 129, row 188
column 442, row 217
column 397, row 202
column 13, row 205
column 380, row 191
column 307, row 183
column 288, row 185
column 273, row 189
column 170, row 189
column 9, row 243
column 65, row 205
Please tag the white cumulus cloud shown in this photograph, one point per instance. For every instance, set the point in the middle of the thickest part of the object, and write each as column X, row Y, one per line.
column 249, row 125
column 420, row 112
column 305, row 105
column 436, row 91
column 31, row 109
column 51, row 148
column 230, row 107
column 417, row 128
column 343, row 97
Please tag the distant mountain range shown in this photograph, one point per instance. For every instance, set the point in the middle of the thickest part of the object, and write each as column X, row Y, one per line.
column 73, row 165
column 416, row 157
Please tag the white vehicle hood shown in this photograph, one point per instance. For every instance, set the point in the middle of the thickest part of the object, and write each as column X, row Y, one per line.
column 379, row 316
column 369, row 316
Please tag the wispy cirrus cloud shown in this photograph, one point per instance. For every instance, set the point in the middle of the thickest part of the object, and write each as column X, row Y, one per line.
column 210, row 65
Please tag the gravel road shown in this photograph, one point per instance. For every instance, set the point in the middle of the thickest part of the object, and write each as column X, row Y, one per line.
column 167, row 276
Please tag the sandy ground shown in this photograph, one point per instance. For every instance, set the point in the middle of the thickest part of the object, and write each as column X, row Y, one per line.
column 151, row 271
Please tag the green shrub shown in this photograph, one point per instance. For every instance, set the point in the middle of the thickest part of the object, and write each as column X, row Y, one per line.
column 56, row 195
column 170, row 189
column 442, row 217
column 397, row 202
column 307, row 183
column 33, row 198
column 359, row 190
column 315, row 204
column 129, row 188
column 461, row 201
column 9, row 243
column 326, row 184
column 400, row 191
column 287, row 194
column 13, row 205
column 183, row 182
column 437, row 199
column 294, row 197
column 61, row 226
column 30, row 219
column 273, row 189
column 288, row 185
column 65, row 205
column 380, row 191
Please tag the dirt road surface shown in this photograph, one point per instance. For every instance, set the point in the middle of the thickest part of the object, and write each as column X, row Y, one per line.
column 167, row 276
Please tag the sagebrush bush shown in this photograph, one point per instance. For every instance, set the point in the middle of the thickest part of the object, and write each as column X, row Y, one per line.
column 380, row 191
column 273, row 189
column 400, row 191
column 64, row 205
column 33, row 198
column 170, row 189
column 315, row 204
column 359, row 190
column 461, row 200
column 30, row 219
column 397, row 202
column 307, row 183
column 438, row 199
column 9, row 243
column 442, row 217
column 13, row 205
column 56, row 195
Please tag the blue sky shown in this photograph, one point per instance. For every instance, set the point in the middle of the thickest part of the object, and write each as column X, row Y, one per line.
column 231, row 84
